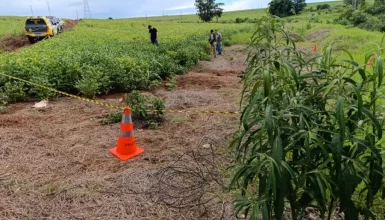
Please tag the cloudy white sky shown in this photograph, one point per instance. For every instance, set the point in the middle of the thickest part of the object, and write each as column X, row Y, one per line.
column 117, row 8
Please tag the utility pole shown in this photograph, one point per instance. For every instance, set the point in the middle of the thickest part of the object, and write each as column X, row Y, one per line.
column 163, row 11
column 31, row 10
column 77, row 16
column 87, row 10
column 49, row 9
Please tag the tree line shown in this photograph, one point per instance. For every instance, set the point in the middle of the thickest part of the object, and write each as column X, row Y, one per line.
column 207, row 10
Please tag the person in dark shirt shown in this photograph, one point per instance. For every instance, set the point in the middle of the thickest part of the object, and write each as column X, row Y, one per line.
column 153, row 35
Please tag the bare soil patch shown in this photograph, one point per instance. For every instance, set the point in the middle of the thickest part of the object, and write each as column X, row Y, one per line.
column 13, row 42
column 69, row 24
column 55, row 164
column 200, row 81
column 319, row 35
column 232, row 62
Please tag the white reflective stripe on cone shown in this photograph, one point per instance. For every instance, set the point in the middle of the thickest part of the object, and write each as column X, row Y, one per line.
column 127, row 119
column 126, row 134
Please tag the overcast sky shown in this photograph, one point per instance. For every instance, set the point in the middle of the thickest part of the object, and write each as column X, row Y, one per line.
column 117, row 8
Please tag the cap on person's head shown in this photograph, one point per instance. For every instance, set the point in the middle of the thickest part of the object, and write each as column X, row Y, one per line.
column 149, row 26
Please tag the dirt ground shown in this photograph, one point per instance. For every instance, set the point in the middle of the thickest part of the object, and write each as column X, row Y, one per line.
column 55, row 164
column 14, row 42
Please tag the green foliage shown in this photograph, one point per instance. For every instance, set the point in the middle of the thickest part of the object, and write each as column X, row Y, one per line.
column 153, row 125
column 38, row 92
column 92, row 81
column 14, row 91
column 284, row 8
column 208, row 9
column 323, row 6
column 375, row 9
column 281, row 8
column 355, row 3
column 309, row 134
column 88, row 87
column 112, row 118
column 172, row 84
column 359, row 18
column 370, row 17
column 11, row 26
column 298, row 6
column 100, row 61
column 3, row 101
column 158, row 105
column 308, row 26
column 241, row 20
column 143, row 106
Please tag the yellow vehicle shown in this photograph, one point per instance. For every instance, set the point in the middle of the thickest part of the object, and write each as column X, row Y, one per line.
column 40, row 27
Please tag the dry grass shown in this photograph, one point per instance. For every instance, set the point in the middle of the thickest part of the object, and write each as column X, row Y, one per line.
column 55, row 164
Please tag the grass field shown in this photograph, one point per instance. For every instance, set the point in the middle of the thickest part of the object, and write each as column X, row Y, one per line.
column 179, row 27
column 11, row 25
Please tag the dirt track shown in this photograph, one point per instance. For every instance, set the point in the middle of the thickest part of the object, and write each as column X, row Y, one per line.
column 55, row 164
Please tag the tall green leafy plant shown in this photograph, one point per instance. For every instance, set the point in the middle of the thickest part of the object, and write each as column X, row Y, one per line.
column 309, row 134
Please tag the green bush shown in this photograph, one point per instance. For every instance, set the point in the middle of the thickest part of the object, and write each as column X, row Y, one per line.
column 375, row 9
column 3, row 99
column 39, row 92
column 226, row 43
column 309, row 133
column 309, row 26
column 323, row 6
column 371, row 24
column 14, row 91
column 93, row 81
column 172, row 84
column 158, row 105
column 153, row 124
column 359, row 18
column 144, row 107
column 370, row 18
column 112, row 118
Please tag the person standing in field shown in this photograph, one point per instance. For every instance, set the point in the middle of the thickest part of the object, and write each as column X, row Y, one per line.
column 153, row 35
column 219, row 42
column 212, row 40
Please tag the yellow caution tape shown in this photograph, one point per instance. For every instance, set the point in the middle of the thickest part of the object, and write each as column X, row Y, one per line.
column 116, row 106
column 64, row 93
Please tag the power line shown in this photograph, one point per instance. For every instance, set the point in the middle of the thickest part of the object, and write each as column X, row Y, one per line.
column 49, row 9
column 87, row 10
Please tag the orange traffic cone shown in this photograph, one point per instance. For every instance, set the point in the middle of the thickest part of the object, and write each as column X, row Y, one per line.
column 315, row 48
column 126, row 147
column 371, row 60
